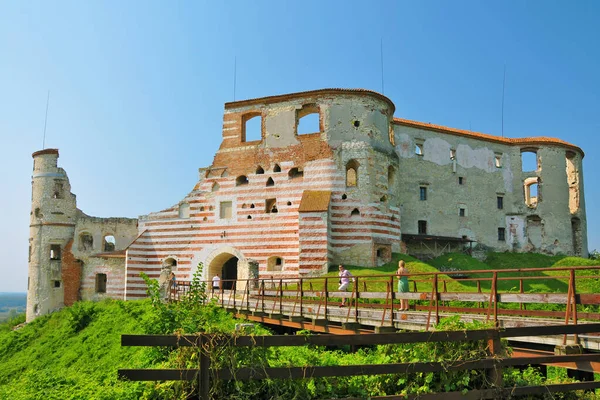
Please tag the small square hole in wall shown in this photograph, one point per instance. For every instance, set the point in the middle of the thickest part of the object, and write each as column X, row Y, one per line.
column 56, row 284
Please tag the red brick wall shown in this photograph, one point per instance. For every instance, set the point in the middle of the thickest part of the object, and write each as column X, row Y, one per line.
column 71, row 275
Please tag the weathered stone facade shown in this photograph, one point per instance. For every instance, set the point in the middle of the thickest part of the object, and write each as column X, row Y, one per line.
column 289, row 202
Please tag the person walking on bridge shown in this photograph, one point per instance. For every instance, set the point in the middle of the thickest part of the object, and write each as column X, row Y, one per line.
column 345, row 276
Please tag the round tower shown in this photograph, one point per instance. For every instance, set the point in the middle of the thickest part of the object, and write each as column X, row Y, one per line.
column 52, row 222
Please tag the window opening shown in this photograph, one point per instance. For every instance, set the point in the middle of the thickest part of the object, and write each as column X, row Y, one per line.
column 295, row 173
column 502, row 234
column 225, row 210
column 184, row 210
column 276, row 168
column 422, row 226
column 289, row 203
column 241, row 180
column 249, row 217
column 529, row 161
column 270, row 182
column 391, row 177
column 344, row 197
column 531, row 189
column 56, row 284
column 55, row 251
column 355, row 212
column 275, row 263
column 461, row 180
column 252, row 205
column 423, row 193
column 352, row 173
column 252, row 128
column 109, row 243
column 271, row 206
column 260, row 170
column 100, row 283
column 356, row 124
column 86, row 242
column 498, row 160
column 58, row 190
column 452, row 154
column 419, row 149
column 308, row 120
column 500, row 202
column 383, row 199
column 461, row 212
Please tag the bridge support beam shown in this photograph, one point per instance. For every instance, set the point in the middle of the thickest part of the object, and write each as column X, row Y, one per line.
column 385, row 329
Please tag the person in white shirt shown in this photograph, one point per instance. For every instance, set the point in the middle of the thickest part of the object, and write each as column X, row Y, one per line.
column 216, row 284
column 345, row 276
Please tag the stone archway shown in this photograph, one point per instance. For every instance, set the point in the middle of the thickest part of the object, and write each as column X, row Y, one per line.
column 229, row 263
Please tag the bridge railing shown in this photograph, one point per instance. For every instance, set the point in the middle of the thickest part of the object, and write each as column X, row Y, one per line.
column 493, row 364
column 432, row 291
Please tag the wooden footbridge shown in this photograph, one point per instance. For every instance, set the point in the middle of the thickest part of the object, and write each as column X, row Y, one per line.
column 374, row 305
column 569, row 328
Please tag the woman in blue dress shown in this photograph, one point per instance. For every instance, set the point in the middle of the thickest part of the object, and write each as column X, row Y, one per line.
column 402, row 284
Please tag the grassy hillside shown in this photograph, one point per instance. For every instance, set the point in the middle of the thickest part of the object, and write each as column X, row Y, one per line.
column 73, row 354
column 555, row 281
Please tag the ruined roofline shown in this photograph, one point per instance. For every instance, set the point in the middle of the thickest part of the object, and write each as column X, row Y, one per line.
column 319, row 92
column 45, row 151
column 541, row 140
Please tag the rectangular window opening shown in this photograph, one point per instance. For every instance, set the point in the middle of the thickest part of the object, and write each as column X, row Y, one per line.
column 225, row 210
column 422, row 227
column 498, row 160
column 56, row 284
column 423, row 193
column 501, row 234
column 100, row 283
column 419, row 149
column 500, row 202
column 461, row 180
column 461, row 212
column 452, row 154
column 55, row 251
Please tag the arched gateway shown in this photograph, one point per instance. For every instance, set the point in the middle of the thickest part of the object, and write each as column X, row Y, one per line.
column 229, row 263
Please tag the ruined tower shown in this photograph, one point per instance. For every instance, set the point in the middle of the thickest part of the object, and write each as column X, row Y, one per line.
column 52, row 222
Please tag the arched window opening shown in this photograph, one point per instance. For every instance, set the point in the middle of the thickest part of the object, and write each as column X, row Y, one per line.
column 308, row 119
column 275, row 263
column 86, row 242
column 109, row 243
column 241, row 180
column 295, row 173
column 271, row 206
column 529, row 160
column 276, row 168
column 249, row 217
column 170, row 263
column 252, row 127
column 352, row 173
column 215, row 187
column 531, row 189
column 184, row 210
column 270, row 182
column 260, row 170
column 252, row 205
column 355, row 213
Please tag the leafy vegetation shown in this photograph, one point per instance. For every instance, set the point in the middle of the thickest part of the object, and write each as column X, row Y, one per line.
column 75, row 353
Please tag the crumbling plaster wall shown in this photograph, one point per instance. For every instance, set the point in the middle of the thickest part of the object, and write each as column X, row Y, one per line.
column 482, row 183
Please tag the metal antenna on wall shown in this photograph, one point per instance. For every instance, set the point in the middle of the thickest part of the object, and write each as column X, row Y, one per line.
column 46, row 121
column 503, row 84
column 234, row 75
column 382, row 87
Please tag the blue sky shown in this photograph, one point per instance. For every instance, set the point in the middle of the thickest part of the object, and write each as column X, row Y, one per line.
column 137, row 88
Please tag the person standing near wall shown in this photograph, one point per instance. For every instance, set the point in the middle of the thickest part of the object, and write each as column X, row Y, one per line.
column 402, row 284
column 216, row 284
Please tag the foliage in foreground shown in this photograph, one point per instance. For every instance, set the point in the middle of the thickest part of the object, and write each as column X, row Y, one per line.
column 75, row 354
